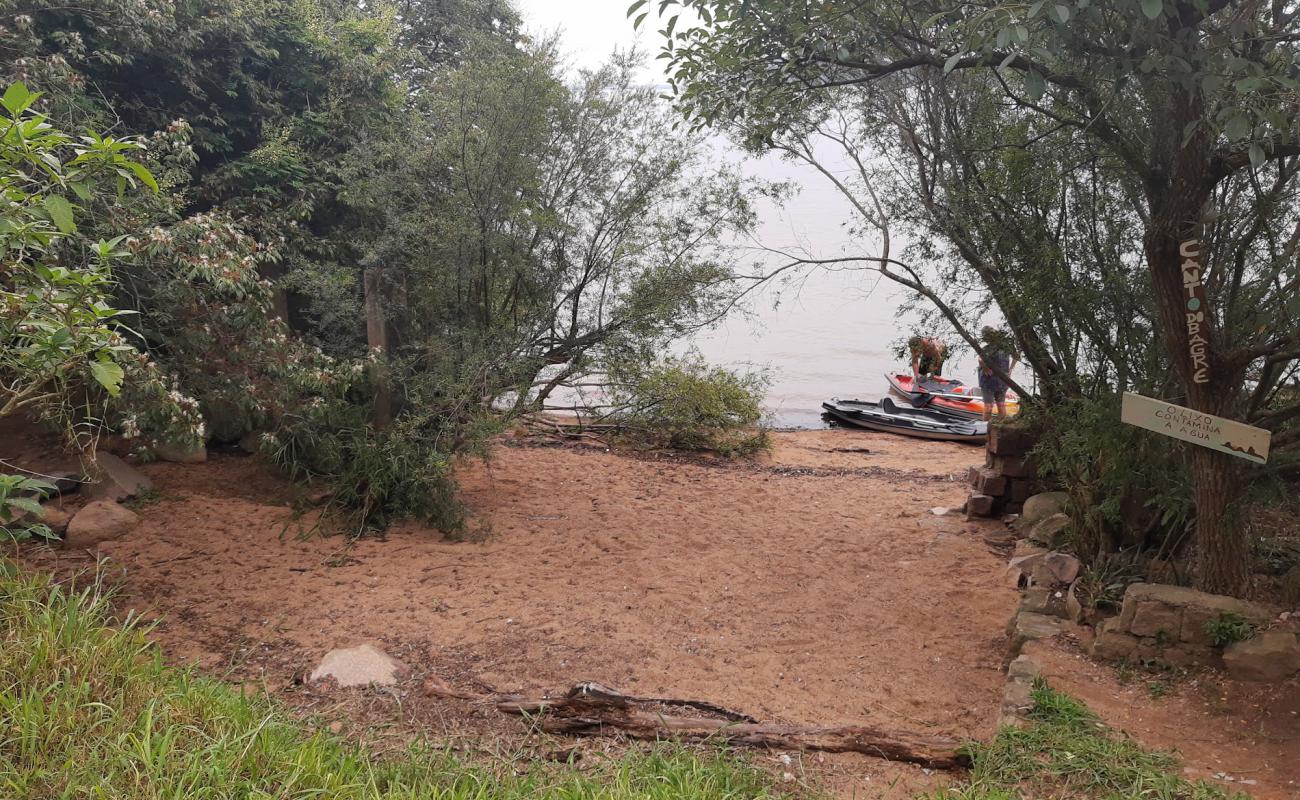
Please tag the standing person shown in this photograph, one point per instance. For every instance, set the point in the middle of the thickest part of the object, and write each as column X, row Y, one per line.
column 997, row 345
column 927, row 358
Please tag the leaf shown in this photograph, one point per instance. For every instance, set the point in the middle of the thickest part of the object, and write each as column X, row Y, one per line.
column 1238, row 127
column 1061, row 13
column 1256, row 156
column 640, row 19
column 632, row 9
column 1035, row 8
column 17, row 99
column 60, row 212
column 27, row 504
column 1035, row 87
column 80, row 189
column 951, row 63
column 145, row 176
column 1152, row 8
column 108, row 375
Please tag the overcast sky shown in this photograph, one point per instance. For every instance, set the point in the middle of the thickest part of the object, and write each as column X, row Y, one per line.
column 590, row 29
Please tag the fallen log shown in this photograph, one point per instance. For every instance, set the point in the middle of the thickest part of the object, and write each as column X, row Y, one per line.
column 590, row 709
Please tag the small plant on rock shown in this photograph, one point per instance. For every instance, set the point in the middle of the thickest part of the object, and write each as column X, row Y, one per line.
column 1229, row 627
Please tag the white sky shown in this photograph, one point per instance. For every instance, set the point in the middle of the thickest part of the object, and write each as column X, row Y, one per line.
column 591, row 29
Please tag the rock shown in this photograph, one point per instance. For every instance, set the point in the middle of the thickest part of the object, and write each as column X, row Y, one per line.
column 114, row 479
column 1049, row 531
column 65, row 483
column 986, row 481
column 1074, row 610
column 1014, row 466
column 1009, row 440
column 1270, row 656
column 177, row 454
column 939, row 511
column 1154, row 618
column 979, row 505
column 1019, row 490
column 1041, row 506
column 56, row 518
column 1189, row 655
column 1055, row 569
column 1112, row 644
column 1044, row 600
column 359, row 666
column 98, row 522
column 1026, row 626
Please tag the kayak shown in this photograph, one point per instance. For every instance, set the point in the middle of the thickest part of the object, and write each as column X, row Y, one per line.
column 891, row 417
column 946, row 395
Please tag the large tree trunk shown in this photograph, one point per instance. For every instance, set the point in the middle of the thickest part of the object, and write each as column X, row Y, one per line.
column 1178, row 189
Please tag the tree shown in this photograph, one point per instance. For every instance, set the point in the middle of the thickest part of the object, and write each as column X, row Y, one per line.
column 1192, row 101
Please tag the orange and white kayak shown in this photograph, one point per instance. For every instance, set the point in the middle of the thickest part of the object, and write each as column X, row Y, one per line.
column 946, row 395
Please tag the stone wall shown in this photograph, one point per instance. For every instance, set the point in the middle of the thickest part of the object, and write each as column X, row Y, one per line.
column 1009, row 475
column 1168, row 624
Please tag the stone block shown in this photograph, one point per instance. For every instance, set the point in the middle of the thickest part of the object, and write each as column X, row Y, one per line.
column 1026, row 627
column 1189, row 655
column 1204, row 608
column 1015, row 466
column 989, row 482
column 1270, row 656
column 1044, row 600
column 1157, row 619
column 179, row 454
column 1113, row 645
column 979, row 505
column 1010, row 440
column 1019, row 489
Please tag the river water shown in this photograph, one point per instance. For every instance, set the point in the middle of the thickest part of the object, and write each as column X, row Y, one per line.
column 830, row 333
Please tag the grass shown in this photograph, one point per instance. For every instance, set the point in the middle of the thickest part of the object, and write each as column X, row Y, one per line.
column 1067, row 753
column 89, row 710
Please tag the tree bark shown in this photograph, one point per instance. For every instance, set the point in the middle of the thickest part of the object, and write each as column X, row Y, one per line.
column 377, row 340
column 1178, row 188
column 589, row 709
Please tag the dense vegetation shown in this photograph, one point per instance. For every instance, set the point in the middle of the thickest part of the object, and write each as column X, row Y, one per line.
column 363, row 234
column 1078, row 168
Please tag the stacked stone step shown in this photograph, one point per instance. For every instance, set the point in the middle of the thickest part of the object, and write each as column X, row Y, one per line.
column 1009, row 475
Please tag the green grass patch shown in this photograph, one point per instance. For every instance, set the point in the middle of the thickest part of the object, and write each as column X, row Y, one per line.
column 89, row 710
column 1067, row 753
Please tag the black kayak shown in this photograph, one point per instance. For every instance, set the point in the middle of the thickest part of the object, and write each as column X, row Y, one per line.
column 893, row 418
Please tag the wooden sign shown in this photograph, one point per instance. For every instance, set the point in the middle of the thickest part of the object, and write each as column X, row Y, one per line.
column 1197, row 310
column 1207, row 430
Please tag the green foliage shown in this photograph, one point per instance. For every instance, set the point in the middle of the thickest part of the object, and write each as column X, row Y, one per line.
column 1228, row 627
column 1105, row 579
column 1067, row 752
column 683, row 403
column 1127, row 489
column 90, row 707
column 20, row 508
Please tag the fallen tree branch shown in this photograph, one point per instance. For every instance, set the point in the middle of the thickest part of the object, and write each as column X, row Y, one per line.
column 590, row 709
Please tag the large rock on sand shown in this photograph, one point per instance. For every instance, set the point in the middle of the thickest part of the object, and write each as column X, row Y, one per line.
column 359, row 666
column 98, row 522
column 1040, row 507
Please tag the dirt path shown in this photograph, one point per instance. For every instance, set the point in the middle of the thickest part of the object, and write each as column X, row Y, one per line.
column 816, row 587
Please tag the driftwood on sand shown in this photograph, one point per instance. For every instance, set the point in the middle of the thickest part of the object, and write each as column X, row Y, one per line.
column 589, row 709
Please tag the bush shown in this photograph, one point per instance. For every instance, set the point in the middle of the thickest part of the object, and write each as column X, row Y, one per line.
column 685, row 404
column 90, row 710
column 1128, row 488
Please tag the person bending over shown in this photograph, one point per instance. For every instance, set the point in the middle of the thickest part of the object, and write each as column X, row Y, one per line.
column 927, row 358
column 997, row 346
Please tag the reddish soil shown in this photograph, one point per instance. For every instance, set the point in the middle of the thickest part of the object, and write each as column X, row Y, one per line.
column 1244, row 736
column 814, row 587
